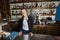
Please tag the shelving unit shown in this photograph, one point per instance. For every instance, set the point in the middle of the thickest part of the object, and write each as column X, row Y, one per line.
column 47, row 8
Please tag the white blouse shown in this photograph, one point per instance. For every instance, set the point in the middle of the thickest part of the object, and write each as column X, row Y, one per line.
column 25, row 24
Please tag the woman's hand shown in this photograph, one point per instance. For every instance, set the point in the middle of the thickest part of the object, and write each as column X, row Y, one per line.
column 20, row 33
column 31, row 34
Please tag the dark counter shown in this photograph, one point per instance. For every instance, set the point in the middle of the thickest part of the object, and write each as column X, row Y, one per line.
column 37, row 29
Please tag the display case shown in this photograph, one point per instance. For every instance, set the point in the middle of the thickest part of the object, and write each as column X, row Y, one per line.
column 40, row 9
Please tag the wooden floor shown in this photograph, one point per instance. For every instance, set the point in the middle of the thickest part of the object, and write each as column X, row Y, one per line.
column 39, row 37
column 57, row 37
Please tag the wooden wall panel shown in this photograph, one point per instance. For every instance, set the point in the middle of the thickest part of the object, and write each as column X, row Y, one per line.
column 38, row 0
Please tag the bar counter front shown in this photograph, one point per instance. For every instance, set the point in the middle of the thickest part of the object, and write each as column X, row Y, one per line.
column 50, row 29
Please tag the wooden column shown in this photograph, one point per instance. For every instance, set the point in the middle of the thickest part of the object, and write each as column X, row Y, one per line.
column 0, row 18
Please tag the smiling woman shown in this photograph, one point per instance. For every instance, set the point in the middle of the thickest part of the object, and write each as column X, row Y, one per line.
column 25, row 24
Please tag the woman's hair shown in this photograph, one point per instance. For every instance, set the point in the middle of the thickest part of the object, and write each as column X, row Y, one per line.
column 25, row 10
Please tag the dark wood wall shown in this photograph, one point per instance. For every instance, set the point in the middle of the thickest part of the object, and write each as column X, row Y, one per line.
column 5, row 8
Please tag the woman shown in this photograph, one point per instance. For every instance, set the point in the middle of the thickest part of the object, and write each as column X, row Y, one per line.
column 25, row 24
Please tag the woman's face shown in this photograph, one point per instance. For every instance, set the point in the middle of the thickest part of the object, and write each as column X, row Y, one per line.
column 24, row 12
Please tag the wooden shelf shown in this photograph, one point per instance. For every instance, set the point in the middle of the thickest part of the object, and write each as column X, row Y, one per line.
column 45, row 14
column 23, row 1
column 33, row 8
column 50, row 10
column 44, row 8
column 16, row 8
